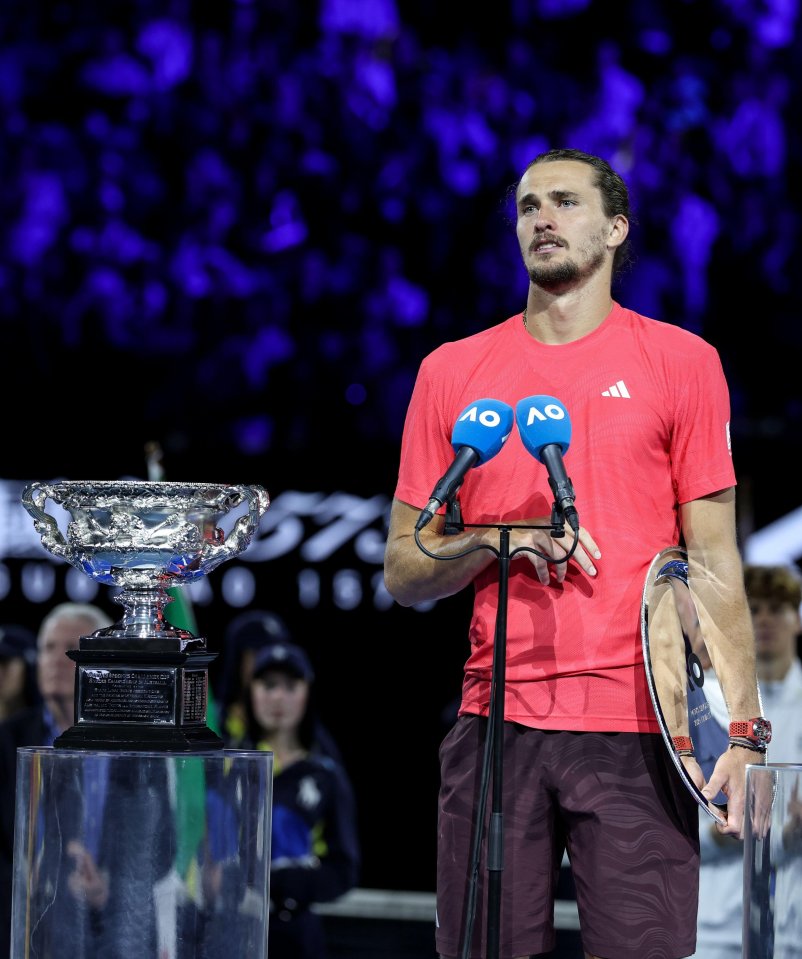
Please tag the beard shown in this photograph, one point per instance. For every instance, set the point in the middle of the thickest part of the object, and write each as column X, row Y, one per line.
column 569, row 272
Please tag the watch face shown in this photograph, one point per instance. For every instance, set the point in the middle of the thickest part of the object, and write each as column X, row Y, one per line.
column 762, row 730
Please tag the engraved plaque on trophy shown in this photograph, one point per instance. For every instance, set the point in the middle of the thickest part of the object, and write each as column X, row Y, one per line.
column 142, row 683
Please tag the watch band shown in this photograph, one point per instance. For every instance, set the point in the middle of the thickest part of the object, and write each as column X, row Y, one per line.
column 683, row 745
column 756, row 730
column 749, row 744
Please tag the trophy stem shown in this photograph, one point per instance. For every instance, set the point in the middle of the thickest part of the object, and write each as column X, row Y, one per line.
column 143, row 617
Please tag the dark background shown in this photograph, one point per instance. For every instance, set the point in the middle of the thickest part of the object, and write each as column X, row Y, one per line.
column 235, row 228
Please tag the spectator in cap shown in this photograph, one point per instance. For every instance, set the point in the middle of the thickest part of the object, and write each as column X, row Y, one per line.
column 245, row 636
column 315, row 855
column 18, row 689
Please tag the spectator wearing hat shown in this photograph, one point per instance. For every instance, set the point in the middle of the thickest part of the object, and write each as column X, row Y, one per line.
column 315, row 855
column 18, row 689
column 245, row 635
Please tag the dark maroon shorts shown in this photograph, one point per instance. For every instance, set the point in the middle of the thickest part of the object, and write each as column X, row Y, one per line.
column 617, row 804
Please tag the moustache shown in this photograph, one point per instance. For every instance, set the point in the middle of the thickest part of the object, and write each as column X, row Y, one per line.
column 546, row 238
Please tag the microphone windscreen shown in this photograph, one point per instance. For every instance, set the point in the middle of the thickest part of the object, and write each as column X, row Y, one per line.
column 484, row 425
column 542, row 421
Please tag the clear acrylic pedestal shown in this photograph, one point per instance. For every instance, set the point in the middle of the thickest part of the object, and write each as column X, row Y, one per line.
column 773, row 862
column 141, row 855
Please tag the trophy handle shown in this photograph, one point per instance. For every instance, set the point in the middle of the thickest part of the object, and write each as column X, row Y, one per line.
column 240, row 536
column 34, row 497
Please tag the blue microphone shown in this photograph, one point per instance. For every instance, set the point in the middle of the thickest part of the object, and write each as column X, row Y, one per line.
column 545, row 429
column 482, row 428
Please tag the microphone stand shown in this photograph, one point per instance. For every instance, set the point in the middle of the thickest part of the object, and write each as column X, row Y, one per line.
column 495, row 838
column 493, row 760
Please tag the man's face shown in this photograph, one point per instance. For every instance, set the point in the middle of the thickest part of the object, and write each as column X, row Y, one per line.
column 54, row 669
column 562, row 231
column 776, row 625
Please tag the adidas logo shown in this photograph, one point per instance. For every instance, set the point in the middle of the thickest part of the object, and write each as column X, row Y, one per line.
column 618, row 389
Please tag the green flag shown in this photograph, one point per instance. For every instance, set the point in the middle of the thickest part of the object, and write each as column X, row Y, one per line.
column 190, row 780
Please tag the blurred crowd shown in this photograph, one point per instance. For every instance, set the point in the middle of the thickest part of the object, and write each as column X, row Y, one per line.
column 264, row 701
column 302, row 198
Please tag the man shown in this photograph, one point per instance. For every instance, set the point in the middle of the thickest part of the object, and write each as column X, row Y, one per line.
column 87, row 908
column 775, row 594
column 59, row 631
column 585, row 766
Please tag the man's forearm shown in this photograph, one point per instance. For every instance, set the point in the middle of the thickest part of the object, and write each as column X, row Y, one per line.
column 411, row 576
column 727, row 630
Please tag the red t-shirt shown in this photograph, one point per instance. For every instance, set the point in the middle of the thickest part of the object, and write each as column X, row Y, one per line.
column 649, row 410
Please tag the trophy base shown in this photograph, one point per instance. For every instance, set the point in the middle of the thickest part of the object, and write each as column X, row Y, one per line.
column 159, row 823
column 140, row 698
column 116, row 738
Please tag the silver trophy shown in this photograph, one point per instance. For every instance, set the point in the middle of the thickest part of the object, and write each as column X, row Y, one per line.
column 687, row 698
column 142, row 683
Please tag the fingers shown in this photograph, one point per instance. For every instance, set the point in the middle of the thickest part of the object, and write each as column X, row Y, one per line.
column 585, row 556
column 729, row 777
column 543, row 569
column 734, row 825
column 553, row 563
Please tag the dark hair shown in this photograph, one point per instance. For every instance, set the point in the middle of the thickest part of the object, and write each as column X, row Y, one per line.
column 613, row 189
column 779, row 583
column 250, row 630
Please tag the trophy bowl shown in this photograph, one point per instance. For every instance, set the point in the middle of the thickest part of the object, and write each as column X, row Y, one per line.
column 143, row 537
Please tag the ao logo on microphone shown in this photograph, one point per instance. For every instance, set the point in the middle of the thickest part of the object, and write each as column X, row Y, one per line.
column 486, row 417
column 550, row 411
column 545, row 430
column 543, row 421
column 472, row 447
